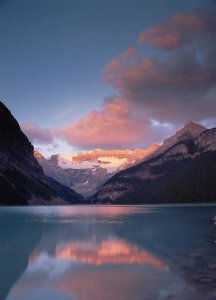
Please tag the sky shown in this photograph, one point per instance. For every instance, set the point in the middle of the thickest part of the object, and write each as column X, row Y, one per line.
column 80, row 74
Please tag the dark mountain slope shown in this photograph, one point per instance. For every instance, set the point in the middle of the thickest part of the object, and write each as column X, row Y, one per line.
column 21, row 178
column 184, row 173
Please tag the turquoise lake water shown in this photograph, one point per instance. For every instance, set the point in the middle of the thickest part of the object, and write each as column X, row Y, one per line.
column 108, row 253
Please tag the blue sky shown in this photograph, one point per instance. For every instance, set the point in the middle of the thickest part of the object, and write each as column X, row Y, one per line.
column 52, row 53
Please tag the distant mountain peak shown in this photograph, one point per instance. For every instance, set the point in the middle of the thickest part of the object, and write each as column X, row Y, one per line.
column 87, row 170
column 193, row 126
column 189, row 131
column 181, row 173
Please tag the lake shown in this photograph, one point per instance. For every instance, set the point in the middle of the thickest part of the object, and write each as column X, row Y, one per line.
column 108, row 253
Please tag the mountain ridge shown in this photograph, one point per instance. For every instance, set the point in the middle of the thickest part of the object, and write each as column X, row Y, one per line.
column 88, row 170
column 22, row 180
column 190, row 130
column 151, row 180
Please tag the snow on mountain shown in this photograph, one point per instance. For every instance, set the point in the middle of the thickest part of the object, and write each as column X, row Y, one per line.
column 111, row 160
column 67, row 164
column 88, row 170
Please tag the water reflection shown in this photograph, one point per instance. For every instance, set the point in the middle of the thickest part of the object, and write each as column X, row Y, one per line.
column 16, row 244
column 101, row 253
column 113, row 251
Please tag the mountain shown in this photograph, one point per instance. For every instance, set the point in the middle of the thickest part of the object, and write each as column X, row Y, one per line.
column 22, row 180
column 189, row 131
column 182, row 170
column 88, row 170
column 112, row 160
column 84, row 178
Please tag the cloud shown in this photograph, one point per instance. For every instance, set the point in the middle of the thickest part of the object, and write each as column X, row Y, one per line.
column 38, row 135
column 130, row 52
column 128, row 56
column 155, row 94
column 172, row 86
column 117, row 124
column 171, row 34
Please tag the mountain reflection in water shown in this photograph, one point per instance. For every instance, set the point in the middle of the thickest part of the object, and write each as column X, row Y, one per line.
column 111, row 251
column 120, row 253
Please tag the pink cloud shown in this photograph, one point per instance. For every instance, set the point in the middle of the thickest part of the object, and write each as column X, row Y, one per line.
column 117, row 63
column 171, row 34
column 113, row 65
column 37, row 134
column 170, row 86
column 168, row 74
column 130, row 52
column 115, row 125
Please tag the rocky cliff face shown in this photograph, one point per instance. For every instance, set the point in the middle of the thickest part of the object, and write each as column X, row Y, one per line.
column 182, row 172
column 22, row 180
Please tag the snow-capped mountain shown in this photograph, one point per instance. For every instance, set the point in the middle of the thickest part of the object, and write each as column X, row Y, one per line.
column 83, row 177
column 111, row 160
column 88, row 170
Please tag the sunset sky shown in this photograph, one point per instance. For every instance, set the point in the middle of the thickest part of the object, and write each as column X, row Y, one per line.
column 80, row 74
